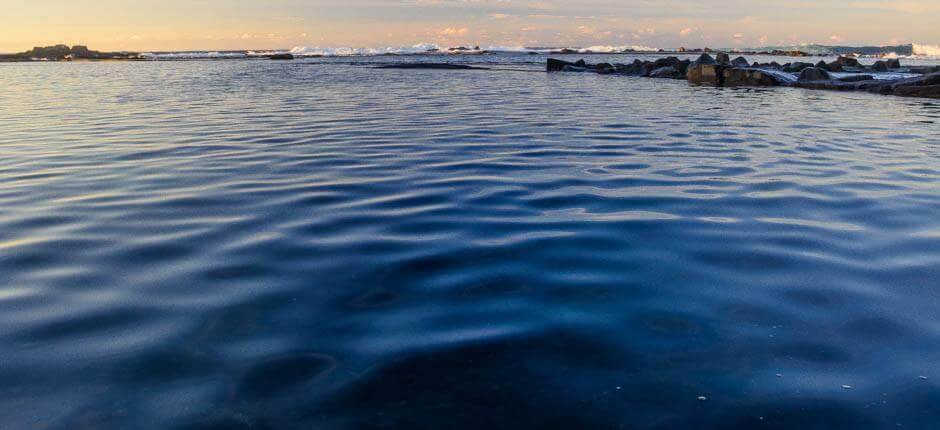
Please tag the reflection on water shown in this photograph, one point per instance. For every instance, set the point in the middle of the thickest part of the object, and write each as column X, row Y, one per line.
column 209, row 245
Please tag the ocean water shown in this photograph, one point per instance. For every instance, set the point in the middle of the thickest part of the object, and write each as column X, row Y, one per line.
column 319, row 244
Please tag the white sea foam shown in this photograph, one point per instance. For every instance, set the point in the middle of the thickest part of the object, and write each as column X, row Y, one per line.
column 614, row 49
column 304, row 51
column 191, row 55
column 927, row 50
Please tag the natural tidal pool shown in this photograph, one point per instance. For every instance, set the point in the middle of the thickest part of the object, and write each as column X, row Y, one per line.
column 319, row 244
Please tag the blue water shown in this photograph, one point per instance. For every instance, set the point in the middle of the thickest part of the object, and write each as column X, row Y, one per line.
column 322, row 245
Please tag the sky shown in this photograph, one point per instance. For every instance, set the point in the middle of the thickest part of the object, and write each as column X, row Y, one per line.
column 154, row 25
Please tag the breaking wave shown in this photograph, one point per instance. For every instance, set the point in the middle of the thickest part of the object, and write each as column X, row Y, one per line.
column 927, row 50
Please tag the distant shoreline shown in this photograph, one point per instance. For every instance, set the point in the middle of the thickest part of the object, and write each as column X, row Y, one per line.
column 64, row 53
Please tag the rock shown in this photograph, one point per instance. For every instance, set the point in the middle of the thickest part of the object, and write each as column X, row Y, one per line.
column 847, row 62
column 633, row 69
column 880, row 66
column 435, row 66
column 822, row 65
column 580, row 63
column 705, row 74
column 920, row 81
column 284, row 56
column 667, row 72
column 677, row 64
column 553, row 65
column 894, row 64
column 812, row 74
column 748, row 78
column 703, row 59
column 740, row 62
column 605, row 68
column 723, row 59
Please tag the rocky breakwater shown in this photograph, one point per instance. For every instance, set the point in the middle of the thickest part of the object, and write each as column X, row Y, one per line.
column 723, row 71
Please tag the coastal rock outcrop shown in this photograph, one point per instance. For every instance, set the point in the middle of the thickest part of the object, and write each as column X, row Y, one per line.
column 707, row 71
column 65, row 53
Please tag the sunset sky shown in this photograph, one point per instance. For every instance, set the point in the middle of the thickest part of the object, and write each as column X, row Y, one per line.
column 263, row 24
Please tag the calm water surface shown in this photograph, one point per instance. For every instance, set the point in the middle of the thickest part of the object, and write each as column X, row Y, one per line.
column 322, row 245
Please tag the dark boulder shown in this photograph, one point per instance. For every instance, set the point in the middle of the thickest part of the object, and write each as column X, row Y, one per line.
column 673, row 62
column 667, row 72
column 928, row 91
column 633, row 69
column 723, row 59
column 812, row 74
column 704, row 59
column 605, row 68
column 849, row 62
column 894, row 63
column 880, row 66
column 920, row 81
column 740, row 62
column 580, row 63
column 553, row 65
column 284, row 56
column 822, row 65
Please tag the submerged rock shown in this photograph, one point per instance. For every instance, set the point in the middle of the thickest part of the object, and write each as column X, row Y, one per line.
column 439, row 66
column 281, row 57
